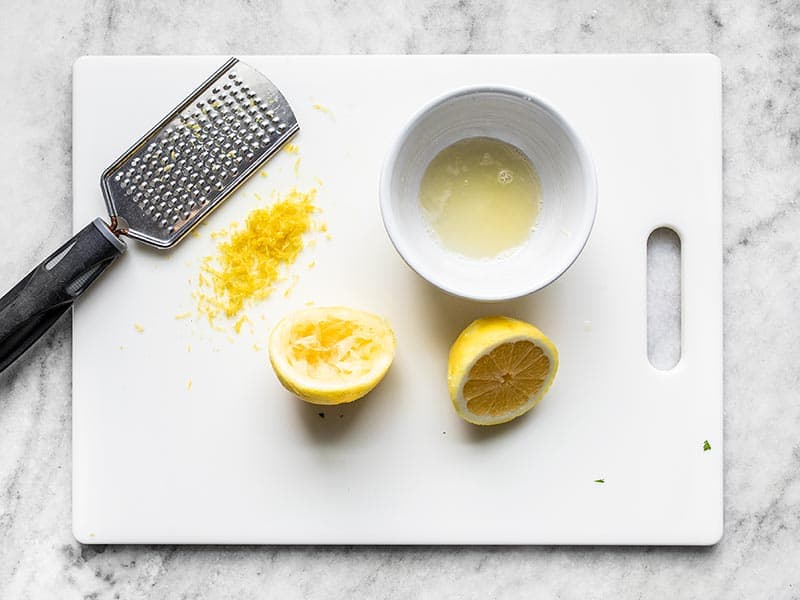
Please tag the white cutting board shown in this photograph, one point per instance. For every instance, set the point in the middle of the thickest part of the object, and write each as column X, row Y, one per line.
column 236, row 459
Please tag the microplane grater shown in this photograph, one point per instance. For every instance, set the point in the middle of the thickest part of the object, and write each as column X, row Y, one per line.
column 156, row 192
column 197, row 155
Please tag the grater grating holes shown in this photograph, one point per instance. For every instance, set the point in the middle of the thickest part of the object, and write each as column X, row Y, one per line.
column 201, row 150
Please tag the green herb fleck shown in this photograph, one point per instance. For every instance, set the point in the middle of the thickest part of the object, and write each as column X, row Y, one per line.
column 706, row 446
column 599, row 480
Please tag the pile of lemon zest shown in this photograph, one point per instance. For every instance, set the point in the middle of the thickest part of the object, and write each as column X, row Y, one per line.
column 249, row 260
column 183, row 315
column 297, row 166
column 291, row 148
column 189, row 385
column 138, row 327
column 238, row 325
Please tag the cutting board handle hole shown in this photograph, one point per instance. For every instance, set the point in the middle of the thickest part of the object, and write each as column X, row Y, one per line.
column 664, row 298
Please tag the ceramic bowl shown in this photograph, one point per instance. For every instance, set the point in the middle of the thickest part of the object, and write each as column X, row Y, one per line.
column 569, row 191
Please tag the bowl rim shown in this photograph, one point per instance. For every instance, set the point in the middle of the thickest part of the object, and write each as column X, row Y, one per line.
column 390, row 160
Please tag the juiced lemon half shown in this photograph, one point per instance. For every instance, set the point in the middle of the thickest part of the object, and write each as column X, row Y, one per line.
column 331, row 355
column 499, row 369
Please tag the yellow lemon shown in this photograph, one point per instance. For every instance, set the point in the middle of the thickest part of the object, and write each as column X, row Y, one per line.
column 499, row 368
column 331, row 355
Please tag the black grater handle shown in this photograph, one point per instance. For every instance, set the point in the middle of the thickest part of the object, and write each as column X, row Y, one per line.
column 32, row 306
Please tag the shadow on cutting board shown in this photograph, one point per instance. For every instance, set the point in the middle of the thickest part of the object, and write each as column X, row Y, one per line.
column 329, row 424
column 446, row 316
column 485, row 434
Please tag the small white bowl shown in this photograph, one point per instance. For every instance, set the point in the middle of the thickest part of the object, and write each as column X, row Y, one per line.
column 569, row 191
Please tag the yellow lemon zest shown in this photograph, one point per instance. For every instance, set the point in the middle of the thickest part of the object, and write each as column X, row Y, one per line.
column 250, row 259
column 238, row 325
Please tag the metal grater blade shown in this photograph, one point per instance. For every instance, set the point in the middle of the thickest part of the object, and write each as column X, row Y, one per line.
column 197, row 155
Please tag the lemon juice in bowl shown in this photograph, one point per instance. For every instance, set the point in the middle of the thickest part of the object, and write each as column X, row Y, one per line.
column 481, row 197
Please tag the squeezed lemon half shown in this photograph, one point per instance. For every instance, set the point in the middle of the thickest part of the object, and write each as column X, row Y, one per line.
column 499, row 368
column 331, row 355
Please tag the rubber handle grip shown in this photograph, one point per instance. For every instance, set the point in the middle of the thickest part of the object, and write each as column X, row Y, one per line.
column 33, row 305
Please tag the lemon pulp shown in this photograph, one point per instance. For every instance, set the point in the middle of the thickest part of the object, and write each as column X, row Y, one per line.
column 505, row 378
column 332, row 347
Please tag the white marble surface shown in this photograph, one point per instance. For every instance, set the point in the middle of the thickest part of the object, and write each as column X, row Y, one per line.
column 759, row 44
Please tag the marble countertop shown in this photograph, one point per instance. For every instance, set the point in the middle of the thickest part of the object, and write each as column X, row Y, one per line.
column 759, row 46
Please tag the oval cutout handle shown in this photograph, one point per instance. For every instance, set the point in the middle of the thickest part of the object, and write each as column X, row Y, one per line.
column 664, row 298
